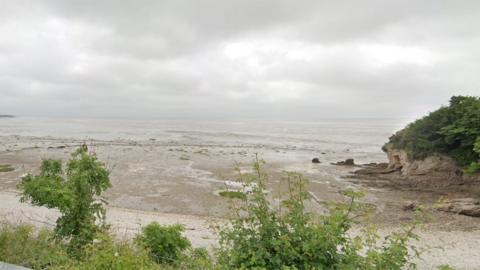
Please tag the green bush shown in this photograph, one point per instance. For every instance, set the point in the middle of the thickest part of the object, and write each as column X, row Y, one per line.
column 286, row 236
column 109, row 254
column 165, row 243
column 194, row 259
column 21, row 245
column 451, row 130
column 74, row 193
column 475, row 166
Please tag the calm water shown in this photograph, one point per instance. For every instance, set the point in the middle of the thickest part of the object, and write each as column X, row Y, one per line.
column 365, row 135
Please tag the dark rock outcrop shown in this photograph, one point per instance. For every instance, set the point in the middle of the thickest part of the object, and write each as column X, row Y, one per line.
column 465, row 206
column 347, row 162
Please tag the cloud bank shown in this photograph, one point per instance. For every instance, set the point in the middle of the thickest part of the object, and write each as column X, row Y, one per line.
column 236, row 59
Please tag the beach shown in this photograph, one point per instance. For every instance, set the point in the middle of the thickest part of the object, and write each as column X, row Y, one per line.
column 172, row 171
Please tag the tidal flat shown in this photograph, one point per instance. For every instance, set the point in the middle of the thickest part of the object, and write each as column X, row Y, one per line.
column 179, row 177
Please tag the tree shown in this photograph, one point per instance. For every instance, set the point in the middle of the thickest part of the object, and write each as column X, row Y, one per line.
column 451, row 130
column 74, row 192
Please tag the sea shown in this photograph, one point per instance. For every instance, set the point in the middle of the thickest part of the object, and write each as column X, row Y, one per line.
column 365, row 135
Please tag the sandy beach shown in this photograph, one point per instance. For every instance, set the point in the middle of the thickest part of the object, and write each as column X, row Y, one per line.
column 177, row 179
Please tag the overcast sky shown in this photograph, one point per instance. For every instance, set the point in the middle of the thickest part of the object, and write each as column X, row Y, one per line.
column 236, row 59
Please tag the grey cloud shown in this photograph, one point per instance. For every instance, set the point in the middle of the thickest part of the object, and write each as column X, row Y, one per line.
column 291, row 59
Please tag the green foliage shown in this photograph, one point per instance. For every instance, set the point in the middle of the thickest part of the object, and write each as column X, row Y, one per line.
column 451, row 130
column 108, row 254
column 74, row 193
column 193, row 259
column 445, row 267
column 475, row 166
column 6, row 168
column 165, row 243
column 232, row 194
column 286, row 236
column 184, row 157
column 21, row 245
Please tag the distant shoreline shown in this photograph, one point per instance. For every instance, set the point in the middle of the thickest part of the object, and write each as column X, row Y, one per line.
column 6, row 116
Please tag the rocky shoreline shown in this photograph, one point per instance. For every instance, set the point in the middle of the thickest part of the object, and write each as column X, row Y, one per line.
column 437, row 174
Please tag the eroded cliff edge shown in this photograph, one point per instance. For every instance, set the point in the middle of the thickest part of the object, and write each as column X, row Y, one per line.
column 438, row 155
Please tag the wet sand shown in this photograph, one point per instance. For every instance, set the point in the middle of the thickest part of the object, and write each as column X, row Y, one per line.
column 170, row 177
column 173, row 181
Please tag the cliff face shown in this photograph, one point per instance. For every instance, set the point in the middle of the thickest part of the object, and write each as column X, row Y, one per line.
column 438, row 166
column 434, row 171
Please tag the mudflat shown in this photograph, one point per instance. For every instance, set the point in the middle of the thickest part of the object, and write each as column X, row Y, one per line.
column 172, row 182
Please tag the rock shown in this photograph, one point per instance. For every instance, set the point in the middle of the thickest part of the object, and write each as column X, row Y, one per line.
column 410, row 206
column 436, row 170
column 434, row 164
column 375, row 169
column 347, row 162
column 465, row 206
column 315, row 160
column 371, row 164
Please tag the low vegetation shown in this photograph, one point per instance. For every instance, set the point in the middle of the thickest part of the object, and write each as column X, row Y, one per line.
column 453, row 130
column 22, row 245
column 165, row 243
column 6, row 168
column 260, row 234
column 233, row 194
column 184, row 157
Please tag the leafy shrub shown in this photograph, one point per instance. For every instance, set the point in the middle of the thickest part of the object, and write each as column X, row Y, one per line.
column 108, row 254
column 194, row 259
column 263, row 236
column 74, row 193
column 475, row 166
column 451, row 130
column 21, row 245
column 165, row 243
